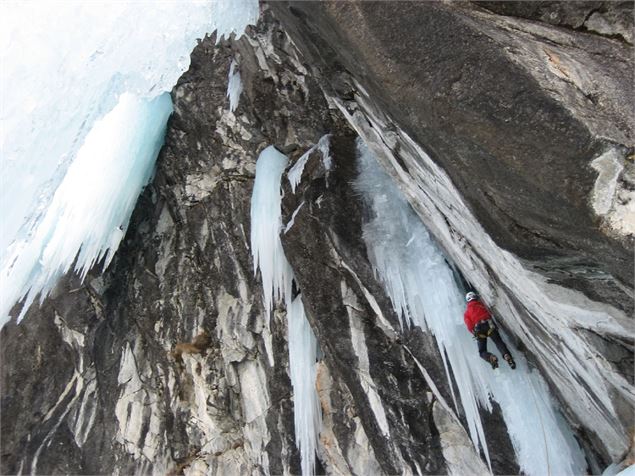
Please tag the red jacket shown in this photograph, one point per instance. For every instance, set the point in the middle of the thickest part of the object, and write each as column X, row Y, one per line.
column 475, row 312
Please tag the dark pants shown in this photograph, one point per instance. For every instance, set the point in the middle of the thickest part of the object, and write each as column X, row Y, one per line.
column 482, row 329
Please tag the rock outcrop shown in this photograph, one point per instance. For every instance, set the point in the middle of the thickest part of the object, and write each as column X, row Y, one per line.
column 509, row 131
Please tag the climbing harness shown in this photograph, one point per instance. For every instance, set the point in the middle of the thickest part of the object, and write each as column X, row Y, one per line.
column 487, row 333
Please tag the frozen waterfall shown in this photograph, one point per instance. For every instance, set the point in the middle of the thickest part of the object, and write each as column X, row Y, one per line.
column 423, row 291
column 277, row 284
column 84, row 111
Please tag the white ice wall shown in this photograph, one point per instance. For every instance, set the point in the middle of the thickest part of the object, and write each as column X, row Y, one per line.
column 65, row 65
column 586, row 380
column 91, row 208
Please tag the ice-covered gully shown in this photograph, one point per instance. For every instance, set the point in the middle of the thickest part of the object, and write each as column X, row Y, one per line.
column 424, row 293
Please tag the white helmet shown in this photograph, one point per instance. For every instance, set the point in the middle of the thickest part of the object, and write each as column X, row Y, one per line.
column 470, row 296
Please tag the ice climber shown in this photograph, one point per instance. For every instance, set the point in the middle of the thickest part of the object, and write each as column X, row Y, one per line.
column 480, row 323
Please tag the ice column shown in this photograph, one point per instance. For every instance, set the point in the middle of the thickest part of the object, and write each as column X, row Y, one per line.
column 423, row 291
column 266, row 224
column 234, row 86
column 277, row 279
column 307, row 415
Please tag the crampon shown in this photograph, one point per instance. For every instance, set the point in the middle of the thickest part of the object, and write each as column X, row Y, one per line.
column 510, row 360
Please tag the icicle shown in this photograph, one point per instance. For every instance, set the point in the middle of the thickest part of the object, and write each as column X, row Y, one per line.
column 91, row 208
column 266, row 224
column 87, row 59
column 323, row 145
column 277, row 279
column 422, row 288
column 234, row 86
column 295, row 174
column 307, row 414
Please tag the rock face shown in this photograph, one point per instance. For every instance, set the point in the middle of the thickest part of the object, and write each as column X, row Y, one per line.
column 496, row 127
column 166, row 363
column 488, row 118
column 612, row 19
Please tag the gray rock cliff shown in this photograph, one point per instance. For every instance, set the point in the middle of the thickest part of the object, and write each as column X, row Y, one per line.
column 509, row 131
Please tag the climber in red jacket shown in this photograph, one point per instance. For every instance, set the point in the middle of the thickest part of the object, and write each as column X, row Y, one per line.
column 480, row 323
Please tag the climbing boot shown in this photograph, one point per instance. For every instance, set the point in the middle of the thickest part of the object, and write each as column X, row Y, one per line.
column 510, row 360
column 493, row 361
